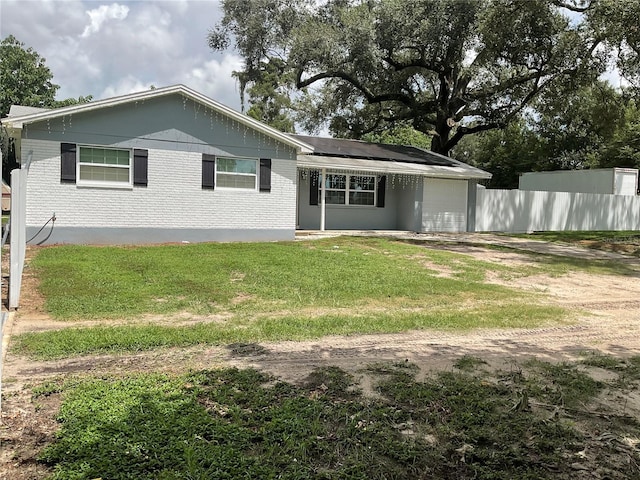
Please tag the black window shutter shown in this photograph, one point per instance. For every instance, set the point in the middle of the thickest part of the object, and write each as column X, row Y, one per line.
column 208, row 171
column 314, row 185
column 265, row 174
column 382, row 186
column 68, row 162
column 140, row 167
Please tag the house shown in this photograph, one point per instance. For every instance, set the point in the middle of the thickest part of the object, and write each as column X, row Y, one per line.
column 163, row 165
column 171, row 165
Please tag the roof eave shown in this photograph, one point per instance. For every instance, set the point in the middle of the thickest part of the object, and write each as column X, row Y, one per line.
column 393, row 167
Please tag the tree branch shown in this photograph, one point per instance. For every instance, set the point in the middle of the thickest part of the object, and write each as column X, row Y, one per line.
column 416, row 63
column 572, row 7
column 462, row 131
column 507, row 84
column 368, row 94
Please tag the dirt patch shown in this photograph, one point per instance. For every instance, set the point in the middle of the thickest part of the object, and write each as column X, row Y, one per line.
column 629, row 246
column 606, row 319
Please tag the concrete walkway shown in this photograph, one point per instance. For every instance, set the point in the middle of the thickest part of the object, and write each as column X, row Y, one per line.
column 479, row 239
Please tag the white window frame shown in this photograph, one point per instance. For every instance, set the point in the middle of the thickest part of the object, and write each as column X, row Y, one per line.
column 103, row 183
column 256, row 175
column 347, row 190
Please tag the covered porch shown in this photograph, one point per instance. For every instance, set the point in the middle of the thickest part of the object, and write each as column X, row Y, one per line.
column 346, row 193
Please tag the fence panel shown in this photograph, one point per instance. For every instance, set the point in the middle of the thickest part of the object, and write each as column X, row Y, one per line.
column 529, row 211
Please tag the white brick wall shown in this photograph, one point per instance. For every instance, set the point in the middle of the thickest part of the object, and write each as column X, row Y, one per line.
column 173, row 198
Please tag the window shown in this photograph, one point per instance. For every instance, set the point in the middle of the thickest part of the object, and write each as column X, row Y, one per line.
column 104, row 166
column 349, row 189
column 236, row 173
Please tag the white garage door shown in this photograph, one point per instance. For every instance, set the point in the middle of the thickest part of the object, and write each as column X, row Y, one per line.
column 444, row 205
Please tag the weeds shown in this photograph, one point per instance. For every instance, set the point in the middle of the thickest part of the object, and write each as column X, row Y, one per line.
column 245, row 424
column 468, row 363
column 561, row 384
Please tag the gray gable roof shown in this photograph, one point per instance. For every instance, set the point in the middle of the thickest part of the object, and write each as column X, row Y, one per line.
column 20, row 110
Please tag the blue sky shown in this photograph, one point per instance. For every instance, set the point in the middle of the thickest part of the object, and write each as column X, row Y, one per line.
column 104, row 48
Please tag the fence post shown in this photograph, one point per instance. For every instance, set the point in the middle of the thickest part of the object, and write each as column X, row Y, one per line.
column 18, row 234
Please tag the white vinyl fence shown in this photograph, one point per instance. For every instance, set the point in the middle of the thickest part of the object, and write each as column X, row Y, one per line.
column 18, row 241
column 529, row 211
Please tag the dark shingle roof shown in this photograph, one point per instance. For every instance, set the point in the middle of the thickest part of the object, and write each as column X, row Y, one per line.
column 338, row 147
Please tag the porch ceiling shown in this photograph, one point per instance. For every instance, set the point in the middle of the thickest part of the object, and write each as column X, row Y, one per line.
column 460, row 170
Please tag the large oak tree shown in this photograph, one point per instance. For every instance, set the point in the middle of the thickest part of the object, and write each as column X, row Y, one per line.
column 446, row 68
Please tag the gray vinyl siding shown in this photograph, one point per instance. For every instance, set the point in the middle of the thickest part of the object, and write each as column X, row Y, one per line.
column 170, row 122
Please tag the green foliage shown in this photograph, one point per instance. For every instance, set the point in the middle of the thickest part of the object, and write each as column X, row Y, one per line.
column 628, row 369
column 468, row 363
column 265, row 76
column 592, row 127
column 273, row 291
column 447, row 69
column 25, row 80
column 72, row 101
column 596, row 235
column 245, row 424
column 615, row 21
column 506, row 153
column 270, row 102
column 627, row 242
column 400, row 135
column 227, row 424
column 622, row 148
column 69, row 342
column 562, row 384
column 24, row 77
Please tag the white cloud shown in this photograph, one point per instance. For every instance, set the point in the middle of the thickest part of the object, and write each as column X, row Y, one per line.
column 128, row 84
column 214, row 79
column 113, row 47
column 103, row 13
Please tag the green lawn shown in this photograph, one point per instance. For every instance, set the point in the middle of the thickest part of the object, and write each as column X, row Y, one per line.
column 271, row 291
column 359, row 274
column 524, row 423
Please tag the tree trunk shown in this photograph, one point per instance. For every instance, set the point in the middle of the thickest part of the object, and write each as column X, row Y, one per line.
column 440, row 139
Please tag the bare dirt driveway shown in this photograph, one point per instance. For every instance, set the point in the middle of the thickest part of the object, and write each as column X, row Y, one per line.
column 606, row 320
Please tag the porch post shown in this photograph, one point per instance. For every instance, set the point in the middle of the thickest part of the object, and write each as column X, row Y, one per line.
column 323, row 180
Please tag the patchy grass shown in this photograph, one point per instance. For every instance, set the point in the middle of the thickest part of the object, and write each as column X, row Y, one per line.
column 82, row 282
column 468, row 363
column 612, row 241
column 576, row 236
column 270, row 292
column 245, row 424
column 132, row 338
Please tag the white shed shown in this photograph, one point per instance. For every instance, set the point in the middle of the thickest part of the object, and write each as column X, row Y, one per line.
column 612, row 181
